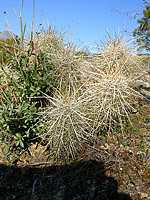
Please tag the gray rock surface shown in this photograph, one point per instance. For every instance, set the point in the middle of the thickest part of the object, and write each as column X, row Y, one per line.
column 143, row 85
column 5, row 34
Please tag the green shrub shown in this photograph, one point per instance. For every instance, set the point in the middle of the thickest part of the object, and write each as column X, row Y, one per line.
column 28, row 72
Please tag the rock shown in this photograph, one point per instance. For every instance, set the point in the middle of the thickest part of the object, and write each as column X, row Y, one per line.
column 143, row 86
column 144, row 195
column 102, row 196
column 146, row 93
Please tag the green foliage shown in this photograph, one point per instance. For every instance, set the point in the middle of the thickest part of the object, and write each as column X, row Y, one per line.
column 6, row 50
column 142, row 33
column 81, row 53
column 19, row 119
column 32, row 73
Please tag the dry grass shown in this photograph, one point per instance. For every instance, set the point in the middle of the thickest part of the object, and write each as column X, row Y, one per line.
column 68, row 128
column 109, row 84
column 62, row 54
column 94, row 94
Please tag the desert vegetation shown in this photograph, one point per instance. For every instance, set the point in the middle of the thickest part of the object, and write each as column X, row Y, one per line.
column 61, row 106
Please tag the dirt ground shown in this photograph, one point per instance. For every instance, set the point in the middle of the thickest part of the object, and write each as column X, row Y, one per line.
column 116, row 168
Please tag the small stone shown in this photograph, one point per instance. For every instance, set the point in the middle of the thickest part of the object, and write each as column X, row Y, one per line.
column 130, row 152
column 8, row 198
column 111, row 144
column 144, row 195
column 130, row 185
column 143, row 84
column 102, row 147
column 102, row 196
column 13, row 196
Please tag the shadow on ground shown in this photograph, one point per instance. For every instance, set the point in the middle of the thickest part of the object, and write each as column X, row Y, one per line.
column 81, row 181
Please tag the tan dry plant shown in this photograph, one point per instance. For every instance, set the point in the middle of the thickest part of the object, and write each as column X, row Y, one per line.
column 109, row 86
column 68, row 128
column 62, row 54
